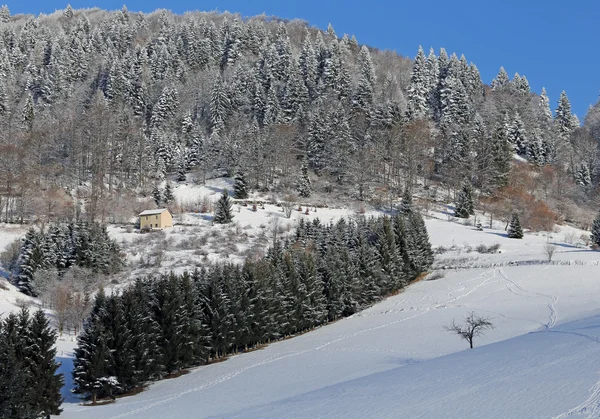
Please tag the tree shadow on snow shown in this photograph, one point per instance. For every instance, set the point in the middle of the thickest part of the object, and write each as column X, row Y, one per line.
column 66, row 366
column 205, row 217
column 505, row 235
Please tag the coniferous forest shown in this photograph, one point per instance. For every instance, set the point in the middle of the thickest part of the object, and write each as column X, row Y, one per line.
column 97, row 106
column 29, row 384
column 160, row 326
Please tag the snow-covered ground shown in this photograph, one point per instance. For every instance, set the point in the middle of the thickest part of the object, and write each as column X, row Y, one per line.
column 194, row 239
column 396, row 360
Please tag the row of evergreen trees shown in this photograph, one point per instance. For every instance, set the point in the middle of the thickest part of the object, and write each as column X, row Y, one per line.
column 29, row 384
column 62, row 246
column 160, row 326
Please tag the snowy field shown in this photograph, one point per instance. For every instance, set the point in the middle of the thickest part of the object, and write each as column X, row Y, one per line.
column 396, row 360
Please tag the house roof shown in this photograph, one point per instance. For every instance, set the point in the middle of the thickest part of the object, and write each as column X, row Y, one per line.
column 154, row 211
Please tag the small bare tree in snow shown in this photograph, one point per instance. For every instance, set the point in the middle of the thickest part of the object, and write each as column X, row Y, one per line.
column 474, row 326
column 549, row 250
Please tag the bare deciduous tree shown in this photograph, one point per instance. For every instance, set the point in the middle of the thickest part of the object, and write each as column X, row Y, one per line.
column 288, row 203
column 474, row 326
column 549, row 250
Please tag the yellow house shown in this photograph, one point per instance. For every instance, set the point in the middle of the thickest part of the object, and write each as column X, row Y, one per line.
column 157, row 218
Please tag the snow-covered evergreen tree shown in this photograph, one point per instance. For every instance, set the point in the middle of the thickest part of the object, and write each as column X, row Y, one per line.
column 501, row 81
column 4, row 14
column 517, row 136
column 42, row 367
column 563, row 118
column 515, row 231
column 419, row 87
column 464, row 201
column 583, row 176
column 366, row 82
column 304, row 181
column 406, row 206
column 168, row 194
column 223, row 209
column 240, row 186
column 595, row 236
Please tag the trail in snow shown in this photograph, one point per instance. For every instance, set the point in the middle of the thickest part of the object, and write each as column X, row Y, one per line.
column 590, row 407
column 553, row 298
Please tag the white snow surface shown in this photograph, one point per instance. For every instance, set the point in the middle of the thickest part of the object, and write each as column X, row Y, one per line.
column 396, row 360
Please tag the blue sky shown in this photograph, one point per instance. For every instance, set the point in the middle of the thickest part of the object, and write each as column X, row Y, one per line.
column 553, row 43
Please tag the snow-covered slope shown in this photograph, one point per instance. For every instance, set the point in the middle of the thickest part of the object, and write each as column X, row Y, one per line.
column 396, row 360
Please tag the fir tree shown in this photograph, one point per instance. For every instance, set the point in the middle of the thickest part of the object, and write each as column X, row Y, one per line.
column 515, row 231
column 501, row 81
column 68, row 12
column 419, row 87
column 42, row 367
column 464, row 203
column 563, row 118
column 93, row 362
column 4, row 14
column 304, row 181
column 240, row 187
column 168, row 195
column 406, row 206
column 223, row 209
column 595, row 237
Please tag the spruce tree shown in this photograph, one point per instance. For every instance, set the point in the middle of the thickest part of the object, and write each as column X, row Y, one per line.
column 240, row 186
column 92, row 363
column 595, row 237
column 304, row 181
column 464, row 202
column 4, row 14
column 406, row 205
column 168, row 196
column 223, row 209
column 419, row 87
column 515, row 231
column 501, row 81
column 42, row 367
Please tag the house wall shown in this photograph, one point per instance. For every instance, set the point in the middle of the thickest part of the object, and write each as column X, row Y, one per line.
column 166, row 219
column 163, row 220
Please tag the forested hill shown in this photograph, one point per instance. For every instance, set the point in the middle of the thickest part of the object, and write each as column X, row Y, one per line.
column 96, row 105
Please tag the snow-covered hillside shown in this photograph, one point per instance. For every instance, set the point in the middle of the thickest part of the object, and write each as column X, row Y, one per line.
column 396, row 360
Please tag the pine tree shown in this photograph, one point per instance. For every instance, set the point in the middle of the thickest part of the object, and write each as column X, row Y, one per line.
column 27, row 114
column 42, row 367
column 304, row 181
column 407, row 202
column 563, row 118
column 464, row 203
column 4, row 14
column 515, row 231
column 168, row 195
column 501, row 81
column 366, row 81
column 93, row 359
column 595, row 237
column 517, row 136
column 545, row 114
column 582, row 176
column 68, row 12
column 14, row 381
column 240, row 187
column 501, row 156
column 223, row 209
column 419, row 87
